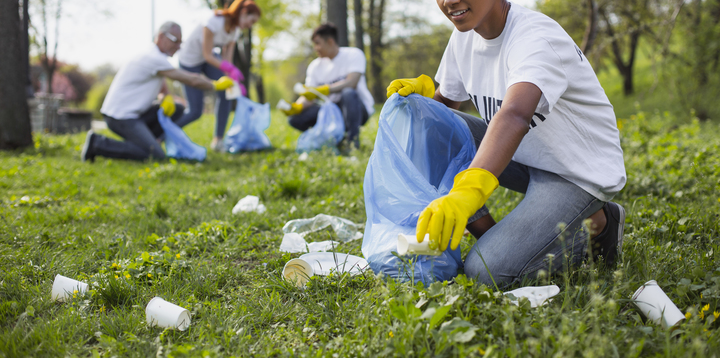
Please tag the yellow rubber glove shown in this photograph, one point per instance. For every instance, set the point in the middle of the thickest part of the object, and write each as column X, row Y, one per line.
column 223, row 83
column 310, row 95
column 295, row 108
column 446, row 217
column 422, row 85
column 168, row 105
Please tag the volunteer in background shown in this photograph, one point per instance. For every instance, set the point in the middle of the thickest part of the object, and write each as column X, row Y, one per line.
column 548, row 131
column 339, row 73
column 128, row 107
column 221, row 30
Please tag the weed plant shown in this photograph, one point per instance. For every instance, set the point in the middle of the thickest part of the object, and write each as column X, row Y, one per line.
column 136, row 230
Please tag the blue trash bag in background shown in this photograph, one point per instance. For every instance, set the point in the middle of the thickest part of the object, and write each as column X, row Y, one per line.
column 420, row 146
column 247, row 132
column 328, row 131
column 177, row 144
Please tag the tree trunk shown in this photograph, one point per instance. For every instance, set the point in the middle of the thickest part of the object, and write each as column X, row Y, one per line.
column 15, row 131
column 337, row 14
column 376, row 46
column 591, row 29
column 625, row 69
column 359, row 33
column 25, row 39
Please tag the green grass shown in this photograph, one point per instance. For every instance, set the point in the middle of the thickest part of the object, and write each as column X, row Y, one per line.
column 139, row 230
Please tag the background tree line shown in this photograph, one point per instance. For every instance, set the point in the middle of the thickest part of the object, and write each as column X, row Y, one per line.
column 677, row 43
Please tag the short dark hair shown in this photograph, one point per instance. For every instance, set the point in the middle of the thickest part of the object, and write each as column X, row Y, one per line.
column 326, row 31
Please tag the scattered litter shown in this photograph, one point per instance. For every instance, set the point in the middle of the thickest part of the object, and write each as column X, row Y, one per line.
column 656, row 306
column 248, row 204
column 345, row 229
column 294, row 243
column 300, row 270
column 164, row 314
column 303, row 157
column 537, row 295
column 64, row 288
column 408, row 245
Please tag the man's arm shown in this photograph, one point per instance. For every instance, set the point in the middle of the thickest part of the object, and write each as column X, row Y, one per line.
column 507, row 128
column 351, row 81
column 188, row 78
column 448, row 102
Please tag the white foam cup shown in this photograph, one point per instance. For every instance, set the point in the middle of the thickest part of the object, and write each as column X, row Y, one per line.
column 652, row 301
column 282, row 105
column 164, row 314
column 298, row 271
column 233, row 92
column 408, row 245
column 64, row 288
column 299, row 88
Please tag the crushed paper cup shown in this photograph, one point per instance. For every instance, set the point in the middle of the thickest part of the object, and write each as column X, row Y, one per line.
column 537, row 295
column 303, row 157
column 300, row 270
column 299, row 88
column 248, row 204
column 233, row 92
column 294, row 243
column 64, row 288
column 656, row 306
column 164, row 314
column 408, row 245
column 283, row 105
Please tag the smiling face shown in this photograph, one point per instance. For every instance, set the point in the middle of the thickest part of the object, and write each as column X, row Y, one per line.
column 324, row 47
column 486, row 17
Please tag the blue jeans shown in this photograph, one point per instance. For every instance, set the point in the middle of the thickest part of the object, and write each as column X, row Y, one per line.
column 544, row 232
column 354, row 113
column 195, row 96
column 141, row 136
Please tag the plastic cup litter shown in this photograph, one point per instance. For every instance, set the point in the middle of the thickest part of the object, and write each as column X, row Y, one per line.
column 299, row 88
column 233, row 92
column 656, row 306
column 283, row 105
column 164, row 314
column 298, row 272
column 64, row 288
column 408, row 245
column 537, row 295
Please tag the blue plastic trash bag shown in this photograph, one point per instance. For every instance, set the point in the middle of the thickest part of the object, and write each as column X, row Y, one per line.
column 328, row 131
column 177, row 144
column 420, row 146
column 247, row 132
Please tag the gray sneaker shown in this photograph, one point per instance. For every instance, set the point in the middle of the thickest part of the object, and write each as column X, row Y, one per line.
column 608, row 243
column 87, row 154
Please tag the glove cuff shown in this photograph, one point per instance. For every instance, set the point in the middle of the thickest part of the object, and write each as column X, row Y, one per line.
column 476, row 179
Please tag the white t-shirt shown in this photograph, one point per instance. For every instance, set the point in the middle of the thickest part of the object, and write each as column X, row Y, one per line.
column 325, row 71
column 190, row 53
column 136, row 85
column 574, row 131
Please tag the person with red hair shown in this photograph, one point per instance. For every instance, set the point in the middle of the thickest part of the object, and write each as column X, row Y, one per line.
column 221, row 30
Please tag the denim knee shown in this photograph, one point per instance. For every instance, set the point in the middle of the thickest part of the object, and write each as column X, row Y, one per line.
column 348, row 93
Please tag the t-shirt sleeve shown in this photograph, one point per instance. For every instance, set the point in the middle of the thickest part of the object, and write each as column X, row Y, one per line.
column 536, row 61
column 448, row 74
column 159, row 63
column 356, row 61
column 215, row 24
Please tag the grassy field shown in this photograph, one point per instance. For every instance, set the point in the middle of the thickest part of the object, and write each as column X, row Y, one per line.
column 139, row 230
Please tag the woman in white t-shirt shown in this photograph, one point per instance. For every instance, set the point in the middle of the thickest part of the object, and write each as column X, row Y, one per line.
column 221, row 30
column 548, row 131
